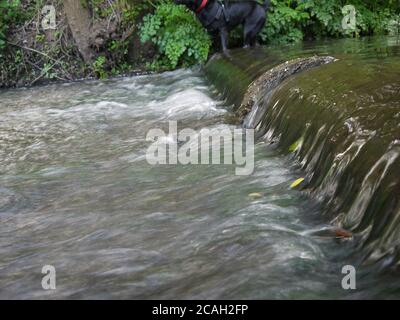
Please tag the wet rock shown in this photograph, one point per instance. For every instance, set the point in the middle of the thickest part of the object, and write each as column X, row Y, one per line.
column 272, row 78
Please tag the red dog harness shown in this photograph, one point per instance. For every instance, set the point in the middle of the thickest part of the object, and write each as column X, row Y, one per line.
column 202, row 5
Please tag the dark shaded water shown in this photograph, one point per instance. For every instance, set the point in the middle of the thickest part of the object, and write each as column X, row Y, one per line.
column 76, row 192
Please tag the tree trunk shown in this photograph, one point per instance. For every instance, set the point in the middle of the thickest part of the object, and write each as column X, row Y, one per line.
column 79, row 22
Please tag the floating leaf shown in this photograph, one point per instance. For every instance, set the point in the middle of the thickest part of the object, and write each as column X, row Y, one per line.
column 255, row 195
column 341, row 233
column 296, row 145
column 296, row 183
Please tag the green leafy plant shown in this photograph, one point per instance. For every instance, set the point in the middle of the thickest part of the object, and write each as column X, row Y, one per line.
column 284, row 22
column 293, row 20
column 178, row 36
column 9, row 12
column 99, row 67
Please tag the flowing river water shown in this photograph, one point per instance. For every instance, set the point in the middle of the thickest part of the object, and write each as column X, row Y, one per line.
column 77, row 193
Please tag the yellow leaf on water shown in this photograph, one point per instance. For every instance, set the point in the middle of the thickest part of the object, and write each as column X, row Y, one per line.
column 296, row 183
column 296, row 145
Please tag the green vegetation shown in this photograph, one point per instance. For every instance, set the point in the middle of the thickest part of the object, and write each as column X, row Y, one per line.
column 29, row 54
column 294, row 20
column 181, row 42
column 119, row 17
column 98, row 67
column 178, row 35
column 130, row 35
column 9, row 14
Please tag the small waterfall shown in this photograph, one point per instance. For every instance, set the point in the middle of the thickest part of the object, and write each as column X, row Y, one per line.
column 340, row 119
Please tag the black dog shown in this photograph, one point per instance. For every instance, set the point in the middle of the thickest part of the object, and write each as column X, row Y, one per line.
column 221, row 16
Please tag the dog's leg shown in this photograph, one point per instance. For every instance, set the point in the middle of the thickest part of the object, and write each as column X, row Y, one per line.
column 259, row 27
column 248, row 33
column 252, row 26
column 224, row 39
column 246, row 36
column 247, row 40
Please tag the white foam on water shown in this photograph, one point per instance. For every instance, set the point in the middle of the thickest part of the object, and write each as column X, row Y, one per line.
column 187, row 104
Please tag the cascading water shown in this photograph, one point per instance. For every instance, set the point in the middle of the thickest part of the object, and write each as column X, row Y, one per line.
column 77, row 193
column 341, row 121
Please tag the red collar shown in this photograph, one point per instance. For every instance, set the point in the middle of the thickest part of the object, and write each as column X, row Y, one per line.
column 202, row 5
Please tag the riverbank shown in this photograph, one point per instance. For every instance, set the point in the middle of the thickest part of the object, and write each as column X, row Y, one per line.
column 43, row 42
column 63, row 41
